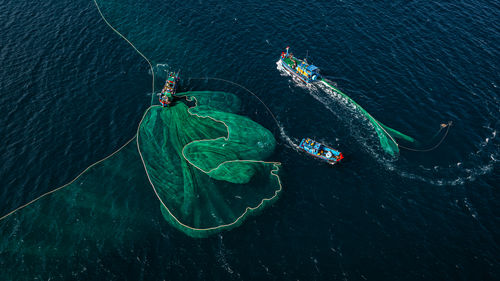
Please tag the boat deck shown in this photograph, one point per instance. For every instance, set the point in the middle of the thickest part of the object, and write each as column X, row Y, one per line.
column 321, row 151
column 290, row 61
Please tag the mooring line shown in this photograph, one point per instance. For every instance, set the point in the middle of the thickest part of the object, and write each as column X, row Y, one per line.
column 130, row 43
column 448, row 126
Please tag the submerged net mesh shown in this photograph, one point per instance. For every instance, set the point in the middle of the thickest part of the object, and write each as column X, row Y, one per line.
column 206, row 169
column 385, row 134
column 105, row 212
column 205, row 163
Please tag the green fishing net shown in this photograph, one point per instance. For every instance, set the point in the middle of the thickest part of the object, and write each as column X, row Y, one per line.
column 205, row 174
column 206, row 163
column 385, row 134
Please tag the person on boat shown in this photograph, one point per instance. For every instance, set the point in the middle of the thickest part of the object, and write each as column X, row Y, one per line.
column 167, row 101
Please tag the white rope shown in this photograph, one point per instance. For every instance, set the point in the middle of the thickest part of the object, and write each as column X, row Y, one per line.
column 128, row 41
column 247, row 209
column 61, row 187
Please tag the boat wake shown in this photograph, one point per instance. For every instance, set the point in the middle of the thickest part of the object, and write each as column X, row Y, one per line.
column 161, row 70
column 469, row 169
column 476, row 163
column 293, row 143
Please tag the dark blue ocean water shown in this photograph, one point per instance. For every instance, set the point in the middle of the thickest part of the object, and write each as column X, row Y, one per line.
column 73, row 92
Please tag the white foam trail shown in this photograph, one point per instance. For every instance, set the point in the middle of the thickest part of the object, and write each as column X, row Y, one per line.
column 370, row 143
column 161, row 69
column 469, row 174
column 282, row 71
column 330, row 102
column 294, row 143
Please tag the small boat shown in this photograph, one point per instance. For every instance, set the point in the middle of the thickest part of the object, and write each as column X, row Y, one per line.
column 169, row 90
column 307, row 73
column 321, row 151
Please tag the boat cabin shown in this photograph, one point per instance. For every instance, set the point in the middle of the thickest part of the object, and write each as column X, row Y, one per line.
column 305, row 71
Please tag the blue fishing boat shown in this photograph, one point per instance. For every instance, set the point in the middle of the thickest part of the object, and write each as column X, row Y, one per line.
column 169, row 90
column 318, row 150
column 304, row 71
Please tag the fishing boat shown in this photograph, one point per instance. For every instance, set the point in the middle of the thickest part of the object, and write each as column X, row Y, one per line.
column 304, row 71
column 318, row 150
column 169, row 90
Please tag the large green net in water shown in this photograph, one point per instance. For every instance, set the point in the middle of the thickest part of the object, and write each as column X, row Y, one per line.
column 385, row 134
column 206, row 163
